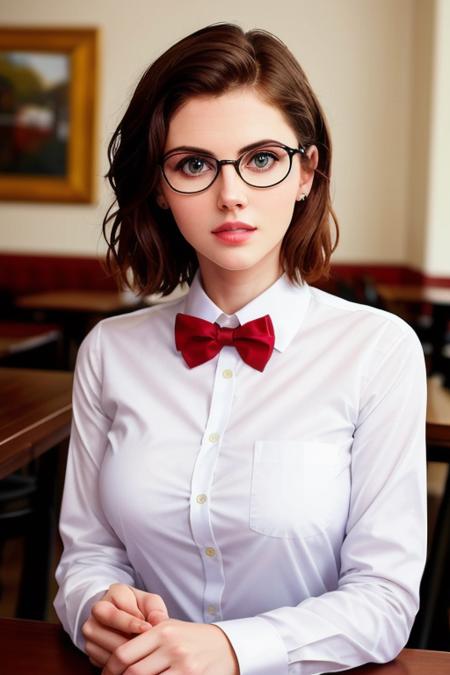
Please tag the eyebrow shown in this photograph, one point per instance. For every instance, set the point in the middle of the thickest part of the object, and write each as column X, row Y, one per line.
column 203, row 151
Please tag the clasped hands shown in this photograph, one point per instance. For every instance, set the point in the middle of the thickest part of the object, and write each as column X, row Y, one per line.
column 129, row 632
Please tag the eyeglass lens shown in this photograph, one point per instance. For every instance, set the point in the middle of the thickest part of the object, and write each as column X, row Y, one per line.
column 259, row 167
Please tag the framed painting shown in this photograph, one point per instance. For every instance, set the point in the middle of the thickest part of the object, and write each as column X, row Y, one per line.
column 48, row 87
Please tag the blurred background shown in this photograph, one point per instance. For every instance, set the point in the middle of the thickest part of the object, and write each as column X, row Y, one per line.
column 380, row 69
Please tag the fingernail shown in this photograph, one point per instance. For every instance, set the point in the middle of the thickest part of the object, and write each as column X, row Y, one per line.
column 140, row 626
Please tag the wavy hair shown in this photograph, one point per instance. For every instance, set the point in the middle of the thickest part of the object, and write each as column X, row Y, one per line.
column 144, row 239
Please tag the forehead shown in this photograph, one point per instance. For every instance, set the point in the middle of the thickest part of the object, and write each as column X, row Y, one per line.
column 228, row 122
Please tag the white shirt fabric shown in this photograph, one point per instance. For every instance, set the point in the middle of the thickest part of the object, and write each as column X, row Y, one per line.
column 287, row 506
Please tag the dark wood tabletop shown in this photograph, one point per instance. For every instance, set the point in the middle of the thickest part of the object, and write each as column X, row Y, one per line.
column 39, row 648
column 35, row 414
column 406, row 293
column 85, row 301
column 35, row 417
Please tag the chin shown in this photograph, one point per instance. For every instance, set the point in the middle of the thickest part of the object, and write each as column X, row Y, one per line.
column 236, row 265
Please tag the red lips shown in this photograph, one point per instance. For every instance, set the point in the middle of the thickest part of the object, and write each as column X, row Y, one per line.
column 230, row 226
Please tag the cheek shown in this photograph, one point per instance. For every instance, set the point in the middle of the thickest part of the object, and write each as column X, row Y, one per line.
column 187, row 211
column 280, row 205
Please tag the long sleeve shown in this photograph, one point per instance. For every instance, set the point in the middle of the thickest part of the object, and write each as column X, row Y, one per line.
column 93, row 556
column 369, row 615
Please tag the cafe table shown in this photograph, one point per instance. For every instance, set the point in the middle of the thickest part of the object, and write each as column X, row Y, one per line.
column 39, row 648
column 94, row 302
column 35, row 417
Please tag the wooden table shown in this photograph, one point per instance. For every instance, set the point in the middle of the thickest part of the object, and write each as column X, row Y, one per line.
column 35, row 416
column 98, row 302
column 408, row 293
column 38, row 648
column 398, row 297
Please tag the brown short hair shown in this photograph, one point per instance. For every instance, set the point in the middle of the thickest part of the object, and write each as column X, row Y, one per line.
column 211, row 61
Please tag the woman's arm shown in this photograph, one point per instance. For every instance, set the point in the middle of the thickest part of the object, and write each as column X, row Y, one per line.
column 93, row 557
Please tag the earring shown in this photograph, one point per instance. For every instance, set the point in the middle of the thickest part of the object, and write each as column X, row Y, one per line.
column 302, row 197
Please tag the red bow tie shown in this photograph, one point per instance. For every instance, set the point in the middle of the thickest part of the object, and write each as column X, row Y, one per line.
column 200, row 340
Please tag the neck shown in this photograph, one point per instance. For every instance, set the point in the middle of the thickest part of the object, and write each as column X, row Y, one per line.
column 233, row 289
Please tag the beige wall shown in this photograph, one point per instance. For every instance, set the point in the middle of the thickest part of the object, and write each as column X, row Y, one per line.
column 359, row 55
column 421, row 95
column 437, row 249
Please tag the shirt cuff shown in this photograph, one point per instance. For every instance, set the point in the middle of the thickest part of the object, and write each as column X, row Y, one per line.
column 258, row 646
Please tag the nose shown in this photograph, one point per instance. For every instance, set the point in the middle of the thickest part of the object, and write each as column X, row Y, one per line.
column 232, row 190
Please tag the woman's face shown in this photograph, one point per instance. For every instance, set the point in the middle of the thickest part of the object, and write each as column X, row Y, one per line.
column 255, row 220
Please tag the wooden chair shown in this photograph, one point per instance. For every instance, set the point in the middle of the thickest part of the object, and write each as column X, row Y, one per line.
column 30, row 345
column 17, row 494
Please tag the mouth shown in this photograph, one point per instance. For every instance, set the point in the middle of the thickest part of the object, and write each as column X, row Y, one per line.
column 234, row 227
column 234, row 233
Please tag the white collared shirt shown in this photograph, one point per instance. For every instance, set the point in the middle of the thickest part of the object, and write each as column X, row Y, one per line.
column 287, row 506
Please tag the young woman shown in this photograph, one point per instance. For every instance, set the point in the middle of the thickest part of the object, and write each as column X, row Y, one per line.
column 245, row 487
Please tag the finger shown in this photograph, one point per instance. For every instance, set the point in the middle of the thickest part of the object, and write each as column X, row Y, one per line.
column 131, row 652
column 124, row 597
column 153, row 607
column 156, row 663
column 106, row 638
column 156, row 616
column 97, row 655
column 109, row 615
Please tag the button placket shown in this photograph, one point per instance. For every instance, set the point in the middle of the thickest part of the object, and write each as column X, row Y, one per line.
column 200, row 515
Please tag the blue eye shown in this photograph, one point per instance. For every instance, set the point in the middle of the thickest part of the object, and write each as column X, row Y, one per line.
column 193, row 166
column 262, row 160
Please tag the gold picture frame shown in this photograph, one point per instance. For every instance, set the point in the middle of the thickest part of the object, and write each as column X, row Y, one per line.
column 48, row 109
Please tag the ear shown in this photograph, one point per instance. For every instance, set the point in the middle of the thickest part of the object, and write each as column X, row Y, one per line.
column 160, row 199
column 307, row 169
column 161, row 202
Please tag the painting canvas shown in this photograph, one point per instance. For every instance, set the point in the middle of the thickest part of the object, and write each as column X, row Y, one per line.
column 47, row 114
column 34, row 113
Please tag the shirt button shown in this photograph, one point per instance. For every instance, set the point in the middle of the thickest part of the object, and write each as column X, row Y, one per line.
column 200, row 499
column 210, row 551
column 213, row 438
column 212, row 609
column 227, row 373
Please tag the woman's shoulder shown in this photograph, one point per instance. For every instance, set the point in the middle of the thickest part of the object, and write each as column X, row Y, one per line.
column 359, row 316
column 136, row 326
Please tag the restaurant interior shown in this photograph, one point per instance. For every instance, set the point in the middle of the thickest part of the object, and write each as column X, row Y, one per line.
column 381, row 73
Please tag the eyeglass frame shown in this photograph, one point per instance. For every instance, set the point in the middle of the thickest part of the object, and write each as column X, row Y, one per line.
column 235, row 162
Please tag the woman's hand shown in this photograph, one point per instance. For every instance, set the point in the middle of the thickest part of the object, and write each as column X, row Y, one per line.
column 184, row 648
column 122, row 613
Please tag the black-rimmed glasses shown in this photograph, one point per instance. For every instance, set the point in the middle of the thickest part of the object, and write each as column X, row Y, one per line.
column 262, row 167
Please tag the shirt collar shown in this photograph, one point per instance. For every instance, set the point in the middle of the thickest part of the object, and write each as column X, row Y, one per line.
column 285, row 302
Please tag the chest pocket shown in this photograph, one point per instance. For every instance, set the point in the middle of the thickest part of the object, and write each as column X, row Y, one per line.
column 299, row 489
